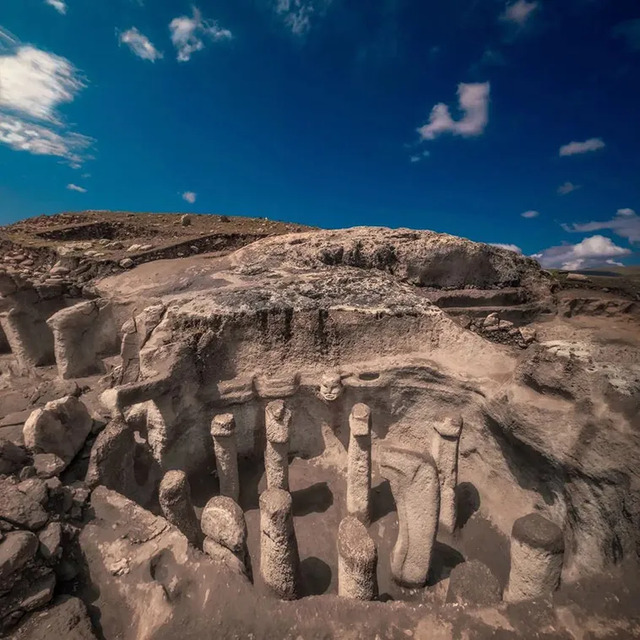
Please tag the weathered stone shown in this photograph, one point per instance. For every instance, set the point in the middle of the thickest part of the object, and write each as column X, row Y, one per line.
column 19, row 509
column 472, row 583
column 414, row 483
column 17, row 548
column 357, row 561
column 276, row 456
column 445, row 454
column 175, row 502
column 331, row 387
column 48, row 465
column 60, row 427
column 359, row 465
column 51, row 541
column 12, row 457
column 279, row 559
column 36, row 489
column 537, row 549
column 224, row 444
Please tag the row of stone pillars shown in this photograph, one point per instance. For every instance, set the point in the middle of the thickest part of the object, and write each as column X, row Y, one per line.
column 423, row 487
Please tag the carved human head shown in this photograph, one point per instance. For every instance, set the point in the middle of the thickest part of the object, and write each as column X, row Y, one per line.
column 331, row 386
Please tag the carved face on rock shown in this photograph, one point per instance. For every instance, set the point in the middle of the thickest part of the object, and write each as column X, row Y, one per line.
column 331, row 387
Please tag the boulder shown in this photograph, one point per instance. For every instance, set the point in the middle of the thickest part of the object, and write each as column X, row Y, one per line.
column 17, row 548
column 12, row 457
column 60, row 427
column 472, row 583
column 19, row 509
column 51, row 541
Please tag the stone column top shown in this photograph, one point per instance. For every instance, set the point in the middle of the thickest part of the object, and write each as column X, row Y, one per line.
column 360, row 420
column 223, row 425
column 276, row 502
column 173, row 486
column 277, row 422
column 450, row 427
column 354, row 542
column 536, row 531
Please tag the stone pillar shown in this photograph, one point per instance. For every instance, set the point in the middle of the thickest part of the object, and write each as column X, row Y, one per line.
column 416, row 490
column 359, row 465
column 223, row 430
column 445, row 453
column 225, row 531
column 279, row 560
column 357, row 561
column 537, row 549
column 276, row 456
column 175, row 502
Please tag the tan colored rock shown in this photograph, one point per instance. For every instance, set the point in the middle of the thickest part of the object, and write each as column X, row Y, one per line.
column 445, row 454
column 359, row 465
column 276, row 455
column 224, row 443
column 175, row 502
column 279, row 559
column 17, row 548
column 537, row 550
column 357, row 561
column 416, row 490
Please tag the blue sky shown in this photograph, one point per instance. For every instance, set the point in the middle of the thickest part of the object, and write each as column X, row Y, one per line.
column 457, row 116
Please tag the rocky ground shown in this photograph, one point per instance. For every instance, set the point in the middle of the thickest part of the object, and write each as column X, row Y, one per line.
column 179, row 317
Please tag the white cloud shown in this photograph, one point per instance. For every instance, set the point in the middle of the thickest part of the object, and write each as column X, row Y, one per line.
column 139, row 44
column 474, row 103
column 58, row 5
column 187, row 34
column 299, row 14
column 508, row 247
column 567, row 188
column 593, row 144
column 626, row 224
column 189, row 196
column 591, row 252
column 33, row 84
column 21, row 135
column 519, row 12
column 419, row 156
column 75, row 187
column 530, row 214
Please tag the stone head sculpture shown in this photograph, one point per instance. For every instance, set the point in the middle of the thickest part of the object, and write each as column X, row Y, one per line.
column 331, row 387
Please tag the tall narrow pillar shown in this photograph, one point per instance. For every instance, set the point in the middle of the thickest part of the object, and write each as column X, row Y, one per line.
column 175, row 502
column 537, row 549
column 359, row 465
column 414, row 483
column 223, row 432
column 357, row 561
column 279, row 560
column 276, row 456
column 445, row 454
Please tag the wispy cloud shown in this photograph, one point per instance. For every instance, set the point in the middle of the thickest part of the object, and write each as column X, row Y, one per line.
column 75, row 187
column 568, row 187
column 519, row 12
column 188, row 34
column 626, row 224
column 58, row 5
column 473, row 102
column 419, row 156
column 34, row 83
column 630, row 32
column 298, row 15
column 573, row 148
column 591, row 252
column 509, row 247
column 139, row 44
column 189, row 196
column 530, row 214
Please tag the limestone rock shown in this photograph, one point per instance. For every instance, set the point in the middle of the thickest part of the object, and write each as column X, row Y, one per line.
column 472, row 583
column 19, row 509
column 36, row 489
column 17, row 548
column 60, row 427
column 51, row 541
column 48, row 465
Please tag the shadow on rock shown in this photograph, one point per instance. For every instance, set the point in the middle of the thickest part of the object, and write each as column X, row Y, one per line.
column 314, row 499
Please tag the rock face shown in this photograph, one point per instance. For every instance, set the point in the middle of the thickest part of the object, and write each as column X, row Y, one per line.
column 60, row 428
column 18, row 509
